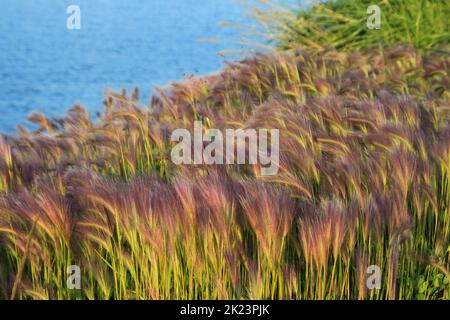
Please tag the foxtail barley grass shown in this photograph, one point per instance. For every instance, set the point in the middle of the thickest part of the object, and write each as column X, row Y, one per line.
column 364, row 180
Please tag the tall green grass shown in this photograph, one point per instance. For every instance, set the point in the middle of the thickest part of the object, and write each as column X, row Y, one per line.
column 342, row 24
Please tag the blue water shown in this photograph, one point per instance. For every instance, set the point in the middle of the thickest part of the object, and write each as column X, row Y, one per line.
column 121, row 44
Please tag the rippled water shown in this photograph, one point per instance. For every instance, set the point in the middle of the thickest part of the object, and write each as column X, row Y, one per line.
column 121, row 44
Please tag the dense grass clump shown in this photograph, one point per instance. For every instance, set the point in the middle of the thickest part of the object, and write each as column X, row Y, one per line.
column 342, row 24
column 364, row 180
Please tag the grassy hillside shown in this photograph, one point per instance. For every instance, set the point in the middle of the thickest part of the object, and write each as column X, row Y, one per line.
column 364, row 180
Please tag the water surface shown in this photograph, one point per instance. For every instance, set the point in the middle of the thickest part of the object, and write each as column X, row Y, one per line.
column 121, row 44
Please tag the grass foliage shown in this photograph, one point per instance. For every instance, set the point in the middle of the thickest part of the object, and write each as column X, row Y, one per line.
column 342, row 24
column 364, row 180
